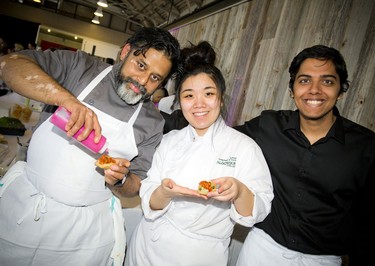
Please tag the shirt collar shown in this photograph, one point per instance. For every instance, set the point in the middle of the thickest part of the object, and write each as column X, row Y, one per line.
column 337, row 130
column 212, row 131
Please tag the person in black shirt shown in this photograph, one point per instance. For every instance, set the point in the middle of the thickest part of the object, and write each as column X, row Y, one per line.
column 323, row 172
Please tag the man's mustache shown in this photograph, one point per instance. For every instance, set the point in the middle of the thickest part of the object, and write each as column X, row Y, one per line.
column 141, row 88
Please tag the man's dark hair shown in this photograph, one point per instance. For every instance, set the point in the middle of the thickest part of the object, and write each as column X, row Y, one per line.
column 324, row 53
column 158, row 39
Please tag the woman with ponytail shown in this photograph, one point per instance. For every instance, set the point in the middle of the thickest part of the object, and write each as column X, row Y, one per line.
column 182, row 226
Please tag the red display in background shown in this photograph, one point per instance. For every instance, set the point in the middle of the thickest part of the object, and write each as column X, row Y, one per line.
column 54, row 46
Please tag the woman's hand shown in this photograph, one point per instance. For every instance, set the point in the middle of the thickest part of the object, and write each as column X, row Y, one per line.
column 168, row 190
column 228, row 189
column 231, row 189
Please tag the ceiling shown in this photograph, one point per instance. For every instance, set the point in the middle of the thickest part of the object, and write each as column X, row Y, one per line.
column 148, row 12
column 135, row 13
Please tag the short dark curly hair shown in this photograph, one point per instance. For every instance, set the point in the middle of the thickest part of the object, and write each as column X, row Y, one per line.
column 158, row 39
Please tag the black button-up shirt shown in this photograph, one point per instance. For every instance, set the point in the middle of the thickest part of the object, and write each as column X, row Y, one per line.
column 323, row 192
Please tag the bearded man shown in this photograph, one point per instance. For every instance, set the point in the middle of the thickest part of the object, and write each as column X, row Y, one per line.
column 63, row 208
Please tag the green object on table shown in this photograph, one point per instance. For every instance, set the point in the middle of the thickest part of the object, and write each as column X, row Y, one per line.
column 11, row 126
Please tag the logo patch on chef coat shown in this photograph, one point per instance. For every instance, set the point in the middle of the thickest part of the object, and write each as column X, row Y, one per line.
column 230, row 162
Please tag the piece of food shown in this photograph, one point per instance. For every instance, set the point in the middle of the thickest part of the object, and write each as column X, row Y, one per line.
column 105, row 161
column 205, row 187
column 16, row 111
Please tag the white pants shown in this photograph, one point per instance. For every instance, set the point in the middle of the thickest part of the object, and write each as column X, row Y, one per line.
column 260, row 249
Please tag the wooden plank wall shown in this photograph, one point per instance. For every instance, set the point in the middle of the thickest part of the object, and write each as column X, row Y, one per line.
column 257, row 40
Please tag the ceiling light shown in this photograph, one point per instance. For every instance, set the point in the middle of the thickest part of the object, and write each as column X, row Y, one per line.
column 38, row 1
column 99, row 12
column 95, row 20
column 102, row 3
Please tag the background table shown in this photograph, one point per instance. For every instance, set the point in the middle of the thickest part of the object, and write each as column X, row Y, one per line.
column 6, row 102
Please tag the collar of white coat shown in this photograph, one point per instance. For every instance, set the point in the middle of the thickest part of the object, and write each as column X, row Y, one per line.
column 212, row 131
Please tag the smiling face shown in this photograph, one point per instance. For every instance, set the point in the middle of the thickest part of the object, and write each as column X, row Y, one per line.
column 200, row 102
column 316, row 90
column 141, row 75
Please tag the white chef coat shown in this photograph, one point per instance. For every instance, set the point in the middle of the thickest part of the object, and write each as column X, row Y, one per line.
column 165, row 104
column 194, row 231
column 61, row 210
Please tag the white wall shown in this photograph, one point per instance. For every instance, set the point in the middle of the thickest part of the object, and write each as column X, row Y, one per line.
column 102, row 49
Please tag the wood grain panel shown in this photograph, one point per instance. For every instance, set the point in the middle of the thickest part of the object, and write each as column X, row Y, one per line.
column 257, row 40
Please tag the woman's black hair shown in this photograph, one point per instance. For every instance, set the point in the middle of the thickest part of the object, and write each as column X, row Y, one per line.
column 197, row 59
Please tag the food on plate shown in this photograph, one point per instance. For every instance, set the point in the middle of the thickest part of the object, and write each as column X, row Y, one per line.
column 105, row 161
column 205, row 187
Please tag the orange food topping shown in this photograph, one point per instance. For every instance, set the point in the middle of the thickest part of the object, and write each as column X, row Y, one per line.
column 106, row 159
column 207, row 185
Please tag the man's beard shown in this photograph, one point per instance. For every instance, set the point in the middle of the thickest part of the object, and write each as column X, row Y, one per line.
column 124, row 91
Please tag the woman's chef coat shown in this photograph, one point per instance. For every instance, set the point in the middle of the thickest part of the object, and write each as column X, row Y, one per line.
column 194, row 231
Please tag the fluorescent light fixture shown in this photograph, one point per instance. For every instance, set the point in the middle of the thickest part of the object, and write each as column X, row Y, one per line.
column 38, row 1
column 102, row 3
column 95, row 20
column 99, row 12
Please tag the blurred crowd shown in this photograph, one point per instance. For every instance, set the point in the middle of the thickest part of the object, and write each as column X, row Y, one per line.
column 8, row 46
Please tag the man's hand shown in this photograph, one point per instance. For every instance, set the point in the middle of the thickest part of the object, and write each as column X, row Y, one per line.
column 80, row 116
column 117, row 172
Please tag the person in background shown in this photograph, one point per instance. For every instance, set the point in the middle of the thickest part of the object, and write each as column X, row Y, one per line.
column 3, row 46
column 158, row 95
column 323, row 172
column 109, row 60
column 166, row 103
column 7, row 47
column 31, row 45
column 18, row 47
column 62, row 207
column 181, row 226
column 175, row 120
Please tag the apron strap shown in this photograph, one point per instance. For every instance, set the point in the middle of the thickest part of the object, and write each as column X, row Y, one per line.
column 118, row 251
column 93, row 83
column 135, row 115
